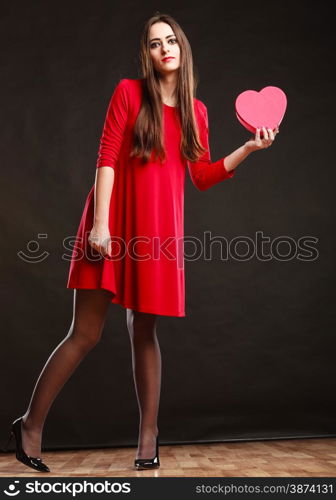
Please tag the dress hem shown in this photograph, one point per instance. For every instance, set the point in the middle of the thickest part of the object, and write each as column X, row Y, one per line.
column 126, row 306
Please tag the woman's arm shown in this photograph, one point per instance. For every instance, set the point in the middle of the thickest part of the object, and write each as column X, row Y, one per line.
column 237, row 156
column 99, row 237
column 204, row 173
column 102, row 195
column 255, row 143
column 107, row 162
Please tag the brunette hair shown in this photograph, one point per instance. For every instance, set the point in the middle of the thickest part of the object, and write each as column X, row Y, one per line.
column 148, row 134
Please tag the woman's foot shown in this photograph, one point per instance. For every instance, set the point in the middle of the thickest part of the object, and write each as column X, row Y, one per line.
column 31, row 439
column 147, row 444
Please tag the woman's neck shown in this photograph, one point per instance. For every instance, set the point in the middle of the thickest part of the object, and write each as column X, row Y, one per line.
column 168, row 88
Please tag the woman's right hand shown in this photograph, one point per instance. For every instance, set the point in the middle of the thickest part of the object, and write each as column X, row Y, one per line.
column 100, row 239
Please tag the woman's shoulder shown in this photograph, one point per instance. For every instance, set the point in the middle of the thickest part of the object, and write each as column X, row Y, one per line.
column 130, row 86
column 130, row 82
column 128, row 92
column 200, row 110
column 200, row 104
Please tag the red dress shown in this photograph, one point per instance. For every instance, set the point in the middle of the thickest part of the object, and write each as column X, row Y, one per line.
column 146, row 218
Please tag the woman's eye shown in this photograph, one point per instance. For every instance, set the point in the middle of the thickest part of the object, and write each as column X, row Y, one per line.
column 153, row 45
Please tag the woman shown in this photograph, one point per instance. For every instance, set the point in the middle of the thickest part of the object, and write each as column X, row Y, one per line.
column 154, row 129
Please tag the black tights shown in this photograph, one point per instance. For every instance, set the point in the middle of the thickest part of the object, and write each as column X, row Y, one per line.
column 90, row 308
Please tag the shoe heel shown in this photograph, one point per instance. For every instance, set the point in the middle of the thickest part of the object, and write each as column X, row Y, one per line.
column 33, row 462
column 149, row 463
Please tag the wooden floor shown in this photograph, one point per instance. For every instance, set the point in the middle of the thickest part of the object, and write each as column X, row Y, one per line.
column 294, row 457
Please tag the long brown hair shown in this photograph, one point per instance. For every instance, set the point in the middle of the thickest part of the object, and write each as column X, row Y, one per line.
column 148, row 134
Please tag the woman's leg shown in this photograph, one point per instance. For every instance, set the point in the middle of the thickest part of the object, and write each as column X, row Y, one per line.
column 89, row 313
column 146, row 360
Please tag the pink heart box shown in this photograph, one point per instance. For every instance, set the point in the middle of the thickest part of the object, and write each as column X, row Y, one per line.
column 265, row 108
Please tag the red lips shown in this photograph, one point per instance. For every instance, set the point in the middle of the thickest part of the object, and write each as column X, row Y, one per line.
column 167, row 58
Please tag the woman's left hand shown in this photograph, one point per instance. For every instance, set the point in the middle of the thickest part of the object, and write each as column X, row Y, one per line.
column 256, row 143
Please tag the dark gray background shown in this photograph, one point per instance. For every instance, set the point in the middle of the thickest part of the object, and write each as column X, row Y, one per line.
column 254, row 357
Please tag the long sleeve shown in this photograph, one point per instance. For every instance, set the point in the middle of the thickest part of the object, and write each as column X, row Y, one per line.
column 114, row 127
column 203, row 172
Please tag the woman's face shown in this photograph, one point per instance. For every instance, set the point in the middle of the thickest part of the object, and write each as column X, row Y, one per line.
column 163, row 44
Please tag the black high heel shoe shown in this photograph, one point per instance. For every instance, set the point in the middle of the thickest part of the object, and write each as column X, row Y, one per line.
column 33, row 462
column 149, row 463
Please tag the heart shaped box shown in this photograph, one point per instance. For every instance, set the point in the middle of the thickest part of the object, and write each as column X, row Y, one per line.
column 264, row 108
